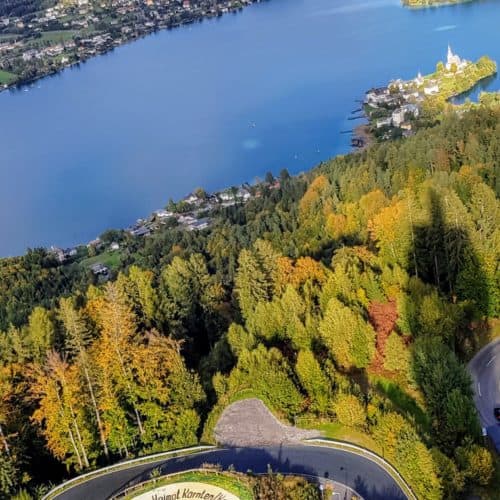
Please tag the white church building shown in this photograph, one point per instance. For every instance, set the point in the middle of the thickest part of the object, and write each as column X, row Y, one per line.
column 455, row 60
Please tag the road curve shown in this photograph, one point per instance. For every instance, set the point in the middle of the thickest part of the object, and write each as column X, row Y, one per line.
column 485, row 371
column 357, row 472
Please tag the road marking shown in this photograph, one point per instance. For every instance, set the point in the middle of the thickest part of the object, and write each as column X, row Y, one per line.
column 479, row 389
column 488, row 363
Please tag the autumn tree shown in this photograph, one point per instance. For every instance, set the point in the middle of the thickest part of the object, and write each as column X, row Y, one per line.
column 349, row 410
column 397, row 355
column 314, row 381
column 78, row 337
column 254, row 280
column 139, row 289
column 383, row 317
column 349, row 338
column 60, row 411
column 117, row 325
column 169, row 394
column 402, row 446
column 40, row 333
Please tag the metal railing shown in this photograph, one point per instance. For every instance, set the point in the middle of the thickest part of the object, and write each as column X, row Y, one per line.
column 123, row 465
column 370, row 455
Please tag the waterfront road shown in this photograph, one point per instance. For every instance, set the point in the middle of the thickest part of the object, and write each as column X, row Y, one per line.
column 357, row 472
column 485, row 371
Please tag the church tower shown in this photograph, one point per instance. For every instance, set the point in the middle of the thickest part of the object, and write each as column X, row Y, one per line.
column 450, row 54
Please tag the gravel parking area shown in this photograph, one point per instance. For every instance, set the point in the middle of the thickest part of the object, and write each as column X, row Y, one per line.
column 250, row 423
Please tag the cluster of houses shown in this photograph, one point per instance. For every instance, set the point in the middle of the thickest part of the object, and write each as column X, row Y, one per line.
column 398, row 104
column 195, row 207
column 94, row 27
column 194, row 217
column 63, row 254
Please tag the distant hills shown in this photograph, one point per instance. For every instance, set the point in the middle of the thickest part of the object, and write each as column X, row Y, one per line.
column 431, row 3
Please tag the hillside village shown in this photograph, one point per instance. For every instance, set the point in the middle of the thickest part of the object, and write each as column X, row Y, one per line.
column 194, row 212
column 68, row 32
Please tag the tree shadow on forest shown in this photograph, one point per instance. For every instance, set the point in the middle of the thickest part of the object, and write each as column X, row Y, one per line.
column 443, row 255
column 405, row 404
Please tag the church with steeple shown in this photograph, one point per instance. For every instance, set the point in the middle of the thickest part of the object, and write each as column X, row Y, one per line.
column 454, row 61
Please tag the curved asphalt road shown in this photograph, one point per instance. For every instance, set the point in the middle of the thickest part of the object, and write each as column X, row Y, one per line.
column 485, row 371
column 361, row 474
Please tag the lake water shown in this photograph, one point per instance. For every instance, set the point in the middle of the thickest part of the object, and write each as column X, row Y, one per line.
column 100, row 146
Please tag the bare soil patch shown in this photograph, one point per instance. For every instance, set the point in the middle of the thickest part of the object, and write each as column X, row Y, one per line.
column 249, row 423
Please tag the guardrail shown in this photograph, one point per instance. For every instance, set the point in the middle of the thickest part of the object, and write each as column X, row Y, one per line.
column 374, row 457
column 127, row 490
column 123, row 465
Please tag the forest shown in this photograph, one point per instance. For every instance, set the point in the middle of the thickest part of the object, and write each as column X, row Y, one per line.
column 352, row 296
column 20, row 8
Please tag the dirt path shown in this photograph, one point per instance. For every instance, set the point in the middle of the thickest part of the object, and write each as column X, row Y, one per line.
column 250, row 423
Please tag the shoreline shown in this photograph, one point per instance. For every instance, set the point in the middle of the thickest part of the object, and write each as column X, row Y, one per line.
column 393, row 111
column 435, row 5
column 78, row 58
column 363, row 133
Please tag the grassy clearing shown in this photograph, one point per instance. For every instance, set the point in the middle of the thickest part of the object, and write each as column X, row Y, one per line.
column 403, row 402
column 237, row 484
column 57, row 36
column 334, row 430
column 7, row 78
column 109, row 259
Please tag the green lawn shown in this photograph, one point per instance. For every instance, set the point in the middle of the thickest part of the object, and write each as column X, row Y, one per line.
column 234, row 483
column 57, row 36
column 334, row 430
column 109, row 259
column 403, row 401
column 6, row 77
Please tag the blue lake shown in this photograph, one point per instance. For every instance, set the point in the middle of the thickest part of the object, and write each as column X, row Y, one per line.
column 100, row 146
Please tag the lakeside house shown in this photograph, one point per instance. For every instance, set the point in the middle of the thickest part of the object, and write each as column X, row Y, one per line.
column 97, row 243
column 199, row 224
column 138, row 231
column 432, row 89
column 163, row 214
column 384, row 122
column 193, row 199
column 101, row 271
column 62, row 255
